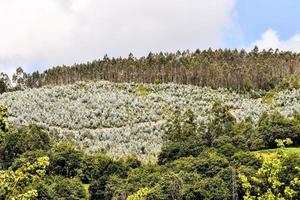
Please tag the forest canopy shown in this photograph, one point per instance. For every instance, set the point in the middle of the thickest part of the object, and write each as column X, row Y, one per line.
column 237, row 69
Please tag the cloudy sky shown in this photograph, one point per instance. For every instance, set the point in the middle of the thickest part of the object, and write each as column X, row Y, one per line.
column 38, row 34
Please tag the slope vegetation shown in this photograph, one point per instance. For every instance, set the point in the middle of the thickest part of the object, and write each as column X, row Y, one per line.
column 128, row 118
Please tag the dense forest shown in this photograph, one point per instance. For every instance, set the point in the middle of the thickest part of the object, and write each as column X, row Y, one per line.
column 214, row 68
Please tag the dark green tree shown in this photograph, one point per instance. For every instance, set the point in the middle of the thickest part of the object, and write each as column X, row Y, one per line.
column 65, row 160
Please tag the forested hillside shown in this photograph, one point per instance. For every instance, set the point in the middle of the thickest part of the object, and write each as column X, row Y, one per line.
column 219, row 158
column 230, row 130
column 213, row 68
column 130, row 118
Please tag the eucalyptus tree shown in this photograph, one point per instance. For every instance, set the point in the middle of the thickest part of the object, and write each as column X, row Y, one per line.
column 19, row 79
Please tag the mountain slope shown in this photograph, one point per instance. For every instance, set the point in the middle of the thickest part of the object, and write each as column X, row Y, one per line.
column 125, row 118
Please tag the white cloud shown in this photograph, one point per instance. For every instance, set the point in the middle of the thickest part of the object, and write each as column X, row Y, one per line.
column 270, row 39
column 54, row 32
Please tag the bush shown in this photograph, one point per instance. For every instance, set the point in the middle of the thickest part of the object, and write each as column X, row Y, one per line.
column 93, row 167
column 97, row 189
column 28, row 157
column 275, row 126
column 20, row 140
column 174, row 150
column 183, row 138
column 65, row 160
column 132, row 162
column 169, row 187
column 213, row 189
column 291, row 162
column 246, row 159
column 207, row 165
column 57, row 187
column 22, row 182
column 246, row 137
column 227, row 150
column 98, row 169
column 144, row 176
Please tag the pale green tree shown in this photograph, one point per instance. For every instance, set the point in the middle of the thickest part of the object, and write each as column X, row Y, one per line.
column 266, row 183
column 21, row 184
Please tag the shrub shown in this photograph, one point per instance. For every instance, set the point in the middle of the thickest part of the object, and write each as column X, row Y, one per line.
column 275, row 126
column 207, row 165
column 246, row 159
column 65, row 160
column 57, row 187
column 20, row 140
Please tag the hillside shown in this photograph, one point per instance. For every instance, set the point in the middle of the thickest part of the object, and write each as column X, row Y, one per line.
column 128, row 118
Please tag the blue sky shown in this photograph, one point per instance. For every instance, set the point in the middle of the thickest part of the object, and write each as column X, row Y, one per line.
column 38, row 34
column 256, row 16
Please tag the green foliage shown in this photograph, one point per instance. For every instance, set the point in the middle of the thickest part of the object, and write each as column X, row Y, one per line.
column 220, row 123
column 181, row 126
column 65, row 160
column 98, row 169
column 183, row 138
column 291, row 171
column 213, row 189
column 142, row 90
column 132, row 162
column 20, row 140
column 221, row 118
column 267, row 183
column 269, row 97
column 169, row 187
column 175, row 150
column 93, row 167
column 172, row 185
column 185, row 178
column 290, row 82
column 197, row 161
column 57, row 187
column 21, row 183
column 187, row 138
column 246, row 159
column 100, row 166
column 275, row 126
column 245, row 136
column 3, row 125
column 28, row 157
column 142, row 194
column 142, row 177
column 3, row 87
column 208, row 165
column 98, row 189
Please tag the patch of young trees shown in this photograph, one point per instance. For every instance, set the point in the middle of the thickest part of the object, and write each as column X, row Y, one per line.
column 124, row 117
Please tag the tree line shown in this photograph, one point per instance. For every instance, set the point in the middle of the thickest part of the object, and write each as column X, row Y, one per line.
column 237, row 69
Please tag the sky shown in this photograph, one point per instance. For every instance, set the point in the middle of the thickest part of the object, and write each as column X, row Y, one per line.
column 39, row 34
